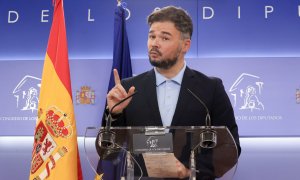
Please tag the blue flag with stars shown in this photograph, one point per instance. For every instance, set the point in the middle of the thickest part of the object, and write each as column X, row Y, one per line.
column 122, row 62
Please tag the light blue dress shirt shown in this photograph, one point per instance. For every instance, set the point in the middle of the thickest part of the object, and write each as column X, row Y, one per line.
column 167, row 94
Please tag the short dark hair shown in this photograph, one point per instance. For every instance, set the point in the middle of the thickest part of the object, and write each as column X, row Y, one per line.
column 178, row 16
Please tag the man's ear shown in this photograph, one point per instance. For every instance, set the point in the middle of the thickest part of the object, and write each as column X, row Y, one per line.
column 186, row 45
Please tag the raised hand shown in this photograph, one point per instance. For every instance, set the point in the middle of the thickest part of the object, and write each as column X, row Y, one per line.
column 117, row 93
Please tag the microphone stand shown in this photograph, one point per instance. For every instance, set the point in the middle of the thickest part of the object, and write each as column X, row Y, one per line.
column 208, row 137
column 106, row 137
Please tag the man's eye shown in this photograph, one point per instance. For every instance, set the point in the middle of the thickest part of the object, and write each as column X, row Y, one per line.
column 151, row 37
column 165, row 38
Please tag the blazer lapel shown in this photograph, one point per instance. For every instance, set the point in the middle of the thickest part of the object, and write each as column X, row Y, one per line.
column 151, row 98
column 183, row 99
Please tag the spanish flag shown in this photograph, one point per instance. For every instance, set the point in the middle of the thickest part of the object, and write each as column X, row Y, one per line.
column 55, row 151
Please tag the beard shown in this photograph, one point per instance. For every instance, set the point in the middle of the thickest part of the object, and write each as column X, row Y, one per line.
column 166, row 63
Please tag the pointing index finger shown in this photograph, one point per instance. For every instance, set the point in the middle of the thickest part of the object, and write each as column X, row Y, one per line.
column 116, row 76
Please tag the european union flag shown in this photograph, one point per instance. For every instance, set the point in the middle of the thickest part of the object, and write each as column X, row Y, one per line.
column 121, row 62
column 121, row 57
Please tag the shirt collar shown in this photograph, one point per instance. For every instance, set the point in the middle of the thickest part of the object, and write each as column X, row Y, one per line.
column 160, row 79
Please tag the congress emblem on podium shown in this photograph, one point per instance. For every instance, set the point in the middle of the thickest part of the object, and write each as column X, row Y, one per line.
column 85, row 96
column 152, row 142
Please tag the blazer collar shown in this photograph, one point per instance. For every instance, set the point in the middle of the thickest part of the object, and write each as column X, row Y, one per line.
column 150, row 90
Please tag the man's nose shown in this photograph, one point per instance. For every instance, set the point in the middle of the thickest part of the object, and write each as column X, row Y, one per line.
column 155, row 42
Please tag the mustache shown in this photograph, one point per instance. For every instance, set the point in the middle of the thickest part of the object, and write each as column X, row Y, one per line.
column 155, row 50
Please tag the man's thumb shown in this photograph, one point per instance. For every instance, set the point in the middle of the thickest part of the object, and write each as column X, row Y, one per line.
column 131, row 90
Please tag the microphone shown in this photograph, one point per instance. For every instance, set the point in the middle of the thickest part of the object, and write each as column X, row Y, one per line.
column 105, row 141
column 208, row 137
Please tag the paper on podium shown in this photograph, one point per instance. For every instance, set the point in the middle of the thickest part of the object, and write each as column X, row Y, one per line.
column 161, row 165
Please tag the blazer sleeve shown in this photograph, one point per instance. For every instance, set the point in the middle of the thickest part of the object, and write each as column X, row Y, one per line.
column 222, row 112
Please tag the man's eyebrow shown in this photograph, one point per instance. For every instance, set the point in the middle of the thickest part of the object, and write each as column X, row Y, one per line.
column 166, row 33
column 163, row 32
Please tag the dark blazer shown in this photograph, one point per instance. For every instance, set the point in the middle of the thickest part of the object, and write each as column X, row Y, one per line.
column 143, row 109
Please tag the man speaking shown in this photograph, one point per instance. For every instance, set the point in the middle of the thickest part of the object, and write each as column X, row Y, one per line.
column 163, row 98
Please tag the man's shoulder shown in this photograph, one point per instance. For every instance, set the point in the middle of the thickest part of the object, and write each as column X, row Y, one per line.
column 141, row 78
column 201, row 76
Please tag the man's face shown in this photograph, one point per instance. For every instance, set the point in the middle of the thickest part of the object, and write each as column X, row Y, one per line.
column 164, row 45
